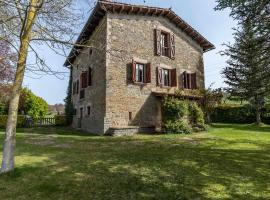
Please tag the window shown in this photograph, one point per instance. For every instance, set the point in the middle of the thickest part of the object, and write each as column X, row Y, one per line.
column 90, row 51
column 75, row 112
column 130, row 116
column 165, row 44
column 77, row 87
column 141, row 73
column 166, row 77
column 82, row 94
column 88, row 110
column 189, row 81
column 84, row 82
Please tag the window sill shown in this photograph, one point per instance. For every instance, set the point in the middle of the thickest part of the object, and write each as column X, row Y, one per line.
column 140, row 83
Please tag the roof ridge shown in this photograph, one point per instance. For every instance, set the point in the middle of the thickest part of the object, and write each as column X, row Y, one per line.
column 104, row 6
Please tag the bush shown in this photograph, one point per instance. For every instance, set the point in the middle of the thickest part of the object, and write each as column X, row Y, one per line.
column 20, row 121
column 237, row 114
column 173, row 109
column 3, row 109
column 60, row 120
column 177, row 127
column 196, row 117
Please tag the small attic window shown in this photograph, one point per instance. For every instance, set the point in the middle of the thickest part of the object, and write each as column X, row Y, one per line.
column 90, row 51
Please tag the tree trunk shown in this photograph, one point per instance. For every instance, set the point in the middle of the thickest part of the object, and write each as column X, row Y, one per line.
column 258, row 115
column 9, row 143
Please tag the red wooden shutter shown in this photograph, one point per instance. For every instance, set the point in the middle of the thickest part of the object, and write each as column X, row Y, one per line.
column 148, row 73
column 193, row 81
column 173, row 78
column 172, row 46
column 89, row 76
column 158, row 42
column 134, row 70
column 83, row 80
column 159, row 76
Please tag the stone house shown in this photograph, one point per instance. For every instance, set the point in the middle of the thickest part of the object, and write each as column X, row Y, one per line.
column 126, row 58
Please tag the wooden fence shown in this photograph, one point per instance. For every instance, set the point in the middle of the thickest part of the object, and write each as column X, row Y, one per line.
column 47, row 121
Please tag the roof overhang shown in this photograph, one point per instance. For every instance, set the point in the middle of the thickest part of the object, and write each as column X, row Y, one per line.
column 102, row 7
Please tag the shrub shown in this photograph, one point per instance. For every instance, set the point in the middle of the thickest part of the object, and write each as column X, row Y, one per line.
column 238, row 114
column 177, row 127
column 20, row 121
column 60, row 120
column 196, row 117
column 3, row 109
column 173, row 109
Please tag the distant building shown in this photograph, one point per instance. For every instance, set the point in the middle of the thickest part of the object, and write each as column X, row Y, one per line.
column 57, row 109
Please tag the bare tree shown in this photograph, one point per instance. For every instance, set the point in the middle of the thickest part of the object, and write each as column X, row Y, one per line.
column 29, row 23
column 7, row 63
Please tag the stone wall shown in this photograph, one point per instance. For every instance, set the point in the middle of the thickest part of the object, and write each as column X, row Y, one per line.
column 94, row 94
column 132, row 37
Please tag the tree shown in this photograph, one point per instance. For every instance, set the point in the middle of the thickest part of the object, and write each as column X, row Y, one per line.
column 7, row 63
column 247, row 74
column 32, row 105
column 28, row 23
column 69, row 109
column 249, row 56
column 211, row 98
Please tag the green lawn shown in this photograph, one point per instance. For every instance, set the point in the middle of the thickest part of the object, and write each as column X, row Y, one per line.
column 228, row 162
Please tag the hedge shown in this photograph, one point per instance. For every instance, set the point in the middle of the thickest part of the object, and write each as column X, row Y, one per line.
column 180, row 116
column 237, row 114
column 20, row 121
column 60, row 120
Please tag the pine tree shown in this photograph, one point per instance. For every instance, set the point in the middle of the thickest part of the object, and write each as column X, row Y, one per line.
column 247, row 74
column 69, row 109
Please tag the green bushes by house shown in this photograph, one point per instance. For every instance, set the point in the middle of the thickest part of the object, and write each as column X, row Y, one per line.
column 181, row 116
column 239, row 114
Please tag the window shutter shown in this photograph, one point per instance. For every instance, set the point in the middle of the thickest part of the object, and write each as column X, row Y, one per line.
column 148, row 73
column 89, row 76
column 189, row 78
column 173, row 78
column 159, row 76
column 133, row 70
column 185, row 85
column 83, row 80
column 172, row 46
column 158, row 42
column 193, row 81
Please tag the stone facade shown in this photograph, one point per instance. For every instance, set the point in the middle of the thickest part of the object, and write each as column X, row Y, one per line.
column 94, row 94
column 115, row 101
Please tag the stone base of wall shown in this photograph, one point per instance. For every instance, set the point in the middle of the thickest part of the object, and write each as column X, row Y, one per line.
column 129, row 130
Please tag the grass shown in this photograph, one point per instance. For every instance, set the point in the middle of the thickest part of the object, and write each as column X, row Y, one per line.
column 228, row 162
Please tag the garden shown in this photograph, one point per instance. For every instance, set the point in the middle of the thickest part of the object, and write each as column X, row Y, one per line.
column 227, row 162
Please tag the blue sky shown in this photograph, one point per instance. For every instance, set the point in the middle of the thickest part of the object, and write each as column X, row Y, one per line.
column 216, row 26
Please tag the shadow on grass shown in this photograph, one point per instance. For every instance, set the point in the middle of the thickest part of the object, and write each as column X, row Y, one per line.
column 55, row 130
column 141, row 169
